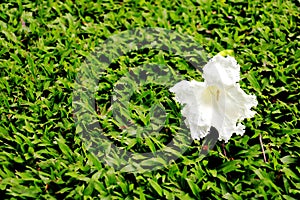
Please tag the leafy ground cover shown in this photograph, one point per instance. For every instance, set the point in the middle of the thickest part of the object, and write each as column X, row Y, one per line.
column 43, row 45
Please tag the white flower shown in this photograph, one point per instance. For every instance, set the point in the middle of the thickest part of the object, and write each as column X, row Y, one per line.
column 218, row 101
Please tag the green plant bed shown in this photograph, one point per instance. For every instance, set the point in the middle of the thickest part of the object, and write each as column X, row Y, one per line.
column 43, row 46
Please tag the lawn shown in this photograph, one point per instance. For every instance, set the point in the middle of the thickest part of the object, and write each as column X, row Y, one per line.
column 44, row 46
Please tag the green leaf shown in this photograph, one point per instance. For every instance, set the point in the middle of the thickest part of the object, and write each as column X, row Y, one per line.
column 156, row 187
column 64, row 190
column 252, row 78
column 288, row 160
column 89, row 189
column 195, row 189
column 64, row 148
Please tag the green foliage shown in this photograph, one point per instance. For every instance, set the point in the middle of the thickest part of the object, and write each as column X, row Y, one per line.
column 44, row 43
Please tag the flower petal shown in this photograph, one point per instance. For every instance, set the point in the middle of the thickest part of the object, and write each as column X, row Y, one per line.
column 222, row 71
column 197, row 106
column 234, row 106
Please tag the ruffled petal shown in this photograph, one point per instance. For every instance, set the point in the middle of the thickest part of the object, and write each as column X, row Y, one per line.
column 222, row 71
column 197, row 108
